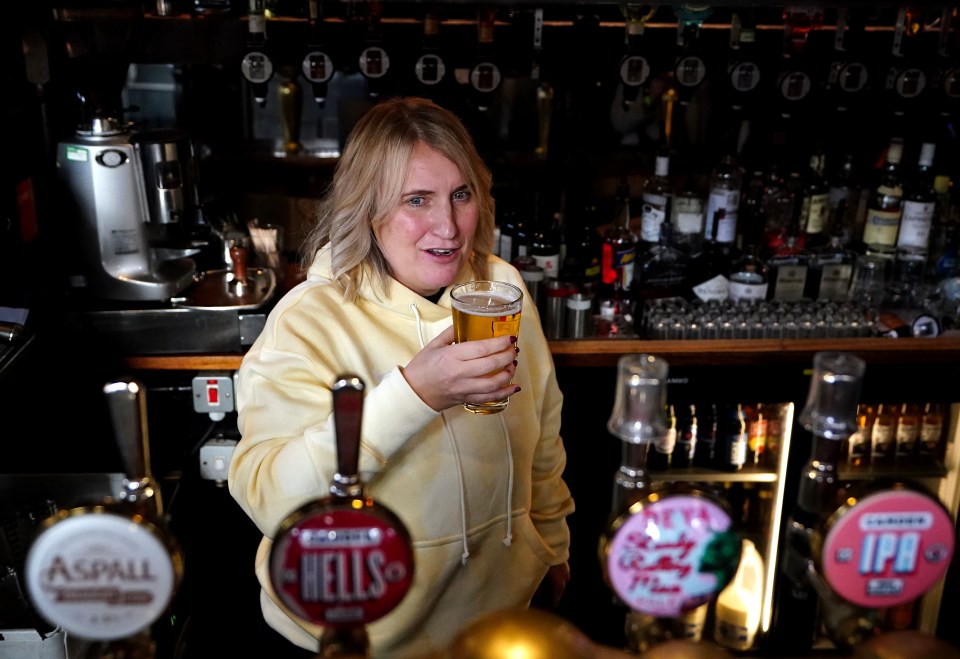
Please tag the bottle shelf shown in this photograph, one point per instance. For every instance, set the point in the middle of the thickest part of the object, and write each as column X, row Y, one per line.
column 899, row 471
column 748, row 474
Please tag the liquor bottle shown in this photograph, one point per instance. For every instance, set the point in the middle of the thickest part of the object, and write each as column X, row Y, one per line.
column 521, row 234
column 749, row 277
column 545, row 244
column 919, row 205
column 725, row 182
column 687, row 214
column 931, row 432
column 944, row 255
column 619, row 254
column 789, row 264
column 710, row 269
column 814, row 212
column 686, row 436
column 829, row 415
column 661, row 270
column 844, row 186
column 882, row 222
column 704, row 454
column 907, row 434
column 883, row 435
column 256, row 65
column 582, row 263
column 507, row 215
column 858, row 444
column 757, row 431
column 659, row 457
column 656, row 203
column 831, row 266
column 752, row 218
column 732, row 436
column 780, row 198
column 634, row 68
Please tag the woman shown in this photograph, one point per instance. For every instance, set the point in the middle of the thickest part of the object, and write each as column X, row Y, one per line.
column 408, row 215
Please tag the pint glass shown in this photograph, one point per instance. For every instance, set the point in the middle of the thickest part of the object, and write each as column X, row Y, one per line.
column 484, row 310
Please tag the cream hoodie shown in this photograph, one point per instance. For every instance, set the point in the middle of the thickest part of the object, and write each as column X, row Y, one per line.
column 482, row 496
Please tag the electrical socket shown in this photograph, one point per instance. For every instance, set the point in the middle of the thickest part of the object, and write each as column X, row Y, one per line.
column 215, row 456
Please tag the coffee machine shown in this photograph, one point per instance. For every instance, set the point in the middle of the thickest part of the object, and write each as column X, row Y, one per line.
column 135, row 198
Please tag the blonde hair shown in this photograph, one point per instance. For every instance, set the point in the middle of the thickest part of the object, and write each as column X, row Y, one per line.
column 368, row 182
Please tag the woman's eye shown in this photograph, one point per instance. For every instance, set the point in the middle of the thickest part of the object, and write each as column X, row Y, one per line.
column 461, row 195
column 416, row 201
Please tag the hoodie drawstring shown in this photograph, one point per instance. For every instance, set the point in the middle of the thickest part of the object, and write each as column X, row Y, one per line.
column 508, row 538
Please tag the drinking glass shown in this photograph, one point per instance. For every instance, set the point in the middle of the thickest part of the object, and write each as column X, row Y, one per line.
column 484, row 310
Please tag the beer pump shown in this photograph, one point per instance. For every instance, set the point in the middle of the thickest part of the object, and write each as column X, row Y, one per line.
column 317, row 66
column 107, row 572
column 669, row 550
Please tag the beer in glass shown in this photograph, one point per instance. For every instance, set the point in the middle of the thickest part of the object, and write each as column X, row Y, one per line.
column 484, row 310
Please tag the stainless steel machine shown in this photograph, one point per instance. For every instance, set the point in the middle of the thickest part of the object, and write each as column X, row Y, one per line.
column 134, row 194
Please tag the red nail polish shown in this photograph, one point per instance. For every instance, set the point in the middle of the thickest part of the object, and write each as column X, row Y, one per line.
column 514, row 362
column 517, row 390
column 513, row 339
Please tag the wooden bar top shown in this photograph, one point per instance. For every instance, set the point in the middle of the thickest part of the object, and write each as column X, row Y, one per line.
column 717, row 352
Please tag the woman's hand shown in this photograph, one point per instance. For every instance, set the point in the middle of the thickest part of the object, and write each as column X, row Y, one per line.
column 445, row 374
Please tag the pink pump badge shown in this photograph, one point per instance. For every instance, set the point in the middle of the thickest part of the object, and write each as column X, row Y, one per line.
column 672, row 554
column 888, row 549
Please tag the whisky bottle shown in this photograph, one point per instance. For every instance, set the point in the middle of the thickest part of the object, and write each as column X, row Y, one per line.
column 661, row 270
column 757, row 430
column 831, row 265
column 882, row 222
column 919, row 205
column 788, row 264
column 749, row 277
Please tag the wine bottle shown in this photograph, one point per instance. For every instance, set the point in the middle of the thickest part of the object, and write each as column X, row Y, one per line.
column 582, row 263
column 931, row 432
column 882, row 222
column 545, row 243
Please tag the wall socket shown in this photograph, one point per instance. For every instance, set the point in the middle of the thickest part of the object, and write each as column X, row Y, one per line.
column 215, row 456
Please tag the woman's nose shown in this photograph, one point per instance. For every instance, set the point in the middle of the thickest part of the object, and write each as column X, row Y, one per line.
column 445, row 221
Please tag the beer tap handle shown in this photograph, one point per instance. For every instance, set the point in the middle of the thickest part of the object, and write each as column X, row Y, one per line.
column 127, row 402
column 347, row 417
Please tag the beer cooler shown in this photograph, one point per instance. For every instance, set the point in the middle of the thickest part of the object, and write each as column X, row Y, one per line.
column 760, row 493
